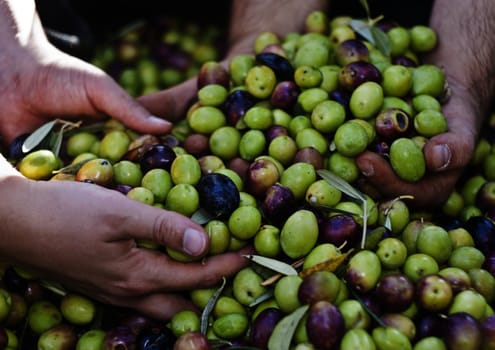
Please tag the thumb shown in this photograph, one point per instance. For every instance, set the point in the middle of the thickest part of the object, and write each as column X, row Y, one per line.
column 167, row 228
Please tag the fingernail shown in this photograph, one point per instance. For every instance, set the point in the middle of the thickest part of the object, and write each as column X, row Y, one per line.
column 156, row 120
column 441, row 156
column 194, row 242
column 367, row 169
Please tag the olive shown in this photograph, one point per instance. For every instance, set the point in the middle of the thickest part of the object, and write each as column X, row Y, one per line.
column 284, row 95
column 236, row 104
column 355, row 73
column 157, row 156
column 392, row 123
column 98, row 171
column 280, row 65
column 218, row 195
column 351, row 50
column 213, row 73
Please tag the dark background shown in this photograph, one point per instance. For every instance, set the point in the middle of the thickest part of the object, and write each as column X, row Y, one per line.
column 94, row 22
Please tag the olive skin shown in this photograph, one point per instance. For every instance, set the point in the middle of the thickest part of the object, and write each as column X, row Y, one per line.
column 236, row 104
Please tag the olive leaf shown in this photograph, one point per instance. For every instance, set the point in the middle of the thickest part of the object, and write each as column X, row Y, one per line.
column 71, row 168
column 330, row 265
column 37, row 136
column 265, row 296
column 362, row 28
column 380, row 40
column 54, row 287
column 283, row 332
column 201, row 216
column 58, row 140
column 272, row 264
column 205, row 315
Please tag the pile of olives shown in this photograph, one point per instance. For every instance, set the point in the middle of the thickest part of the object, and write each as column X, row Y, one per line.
column 265, row 156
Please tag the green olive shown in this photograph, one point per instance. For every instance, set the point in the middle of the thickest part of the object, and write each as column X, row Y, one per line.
column 407, row 159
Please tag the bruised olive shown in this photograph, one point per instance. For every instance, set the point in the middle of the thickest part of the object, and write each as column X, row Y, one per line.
column 355, row 73
column 157, row 156
column 280, row 65
column 392, row 123
column 236, row 104
column 309, row 155
column 218, row 194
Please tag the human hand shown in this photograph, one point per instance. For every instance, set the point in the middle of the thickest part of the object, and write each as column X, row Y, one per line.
column 84, row 236
column 41, row 83
column 446, row 155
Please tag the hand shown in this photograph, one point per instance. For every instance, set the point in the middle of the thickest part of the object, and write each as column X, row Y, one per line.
column 84, row 236
column 446, row 155
column 40, row 83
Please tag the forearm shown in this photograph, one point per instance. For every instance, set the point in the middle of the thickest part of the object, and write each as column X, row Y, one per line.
column 251, row 17
column 466, row 47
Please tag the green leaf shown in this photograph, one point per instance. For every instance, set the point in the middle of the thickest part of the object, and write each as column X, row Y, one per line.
column 363, row 29
column 201, row 216
column 341, row 184
column 381, row 40
column 366, row 7
column 71, row 168
column 283, row 332
column 37, row 136
column 265, row 296
column 205, row 315
column 273, row 264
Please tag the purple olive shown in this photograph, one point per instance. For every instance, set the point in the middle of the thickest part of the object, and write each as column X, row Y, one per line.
column 139, row 146
column 280, row 65
column 461, row 331
column 263, row 325
column 355, row 73
column 351, row 50
column 212, row 72
column 392, row 123
column 274, row 131
column 320, row 285
column 284, row 95
column 325, row 325
column 309, row 155
column 343, row 97
column 15, row 147
column 236, row 104
column 157, row 156
column 485, row 197
column 482, row 230
column 278, row 204
column 339, row 229
column 429, row 324
column 395, row 292
column 218, row 195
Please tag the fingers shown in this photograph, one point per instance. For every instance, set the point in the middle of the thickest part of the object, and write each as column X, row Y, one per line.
column 160, row 306
column 170, row 275
column 430, row 191
column 172, row 103
column 109, row 98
